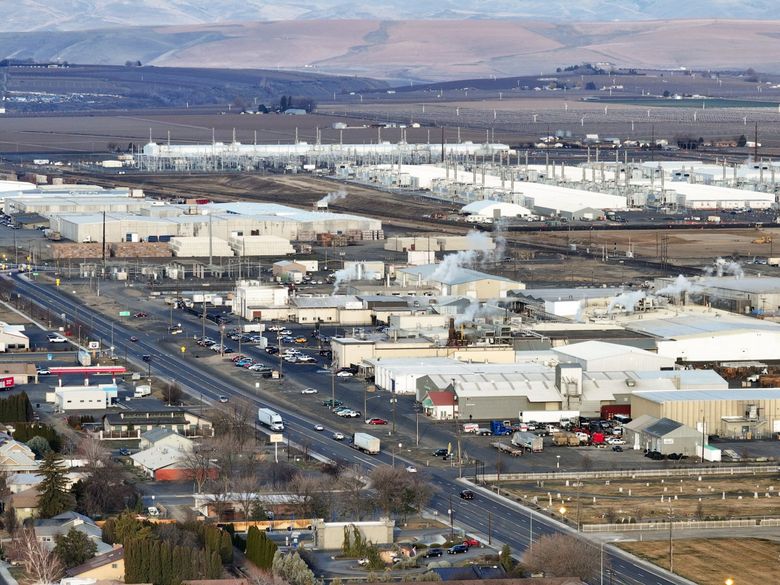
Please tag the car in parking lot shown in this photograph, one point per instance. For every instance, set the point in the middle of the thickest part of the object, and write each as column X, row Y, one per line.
column 56, row 338
column 42, row 372
column 441, row 452
column 330, row 403
column 141, row 315
column 300, row 340
column 344, row 374
column 457, row 549
column 467, row 495
column 655, row 455
column 469, row 542
column 433, row 552
column 617, row 448
column 124, row 452
column 376, row 421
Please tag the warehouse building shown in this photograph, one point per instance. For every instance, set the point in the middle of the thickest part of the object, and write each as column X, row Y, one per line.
column 200, row 247
column 261, row 246
column 488, row 210
column 570, row 303
column 457, row 281
column 100, row 397
column 439, row 243
column 696, row 196
column 253, row 297
column 599, row 356
column 747, row 413
column 700, row 336
column 664, row 435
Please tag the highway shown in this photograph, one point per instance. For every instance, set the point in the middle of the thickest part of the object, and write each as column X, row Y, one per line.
column 504, row 521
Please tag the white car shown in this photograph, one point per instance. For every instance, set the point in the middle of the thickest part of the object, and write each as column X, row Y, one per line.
column 338, row 436
column 344, row 374
column 615, row 441
column 309, row 391
column 411, row 469
column 319, row 428
column 54, row 338
column 223, row 399
column 275, row 328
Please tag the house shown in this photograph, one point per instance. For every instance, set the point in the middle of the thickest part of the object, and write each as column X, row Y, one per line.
column 134, row 422
column 165, row 438
column 109, row 566
column 47, row 530
column 166, row 464
column 439, row 405
column 16, row 457
column 25, row 503
column 18, row 482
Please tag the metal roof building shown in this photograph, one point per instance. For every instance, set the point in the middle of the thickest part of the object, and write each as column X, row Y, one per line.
column 736, row 413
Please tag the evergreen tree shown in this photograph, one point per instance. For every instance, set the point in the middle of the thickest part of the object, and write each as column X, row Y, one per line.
column 74, row 548
column 214, row 566
column 226, row 548
column 54, row 497
column 166, row 567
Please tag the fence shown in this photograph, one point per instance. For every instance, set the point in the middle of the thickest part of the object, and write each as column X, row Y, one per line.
column 680, row 525
column 635, row 473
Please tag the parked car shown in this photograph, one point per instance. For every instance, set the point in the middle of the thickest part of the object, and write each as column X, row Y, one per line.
column 457, row 549
column 330, row 403
column 433, row 552
column 43, row 372
column 655, row 455
column 467, row 495
column 440, row 452
column 141, row 315
column 376, row 421
column 469, row 542
column 124, row 452
column 617, row 448
column 344, row 374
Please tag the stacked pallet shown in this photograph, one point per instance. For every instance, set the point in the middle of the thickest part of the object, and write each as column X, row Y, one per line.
column 141, row 250
column 74, row 251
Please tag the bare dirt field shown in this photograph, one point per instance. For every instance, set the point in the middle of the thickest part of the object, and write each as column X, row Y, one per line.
column 622, row 500
column 694, row 247
column 710, row 561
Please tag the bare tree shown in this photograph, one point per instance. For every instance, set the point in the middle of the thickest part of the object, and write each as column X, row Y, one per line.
column 392, row 487
column 221, row 495
column 172, row 393
column 93, row 452
column 199, row 465
column 41, row 564
column 245, row 486
column 561, row 555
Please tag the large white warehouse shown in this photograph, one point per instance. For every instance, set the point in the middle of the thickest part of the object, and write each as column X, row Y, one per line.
column 488, row 210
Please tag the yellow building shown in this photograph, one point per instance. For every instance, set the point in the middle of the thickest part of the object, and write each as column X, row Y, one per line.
column 109, row 566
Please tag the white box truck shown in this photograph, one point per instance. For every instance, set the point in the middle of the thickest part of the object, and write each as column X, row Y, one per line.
column 270, row 418
column 528, row 441
column 141, row 391
column 366, row 443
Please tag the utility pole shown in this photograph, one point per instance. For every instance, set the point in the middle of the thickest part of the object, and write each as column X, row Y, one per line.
column 452, row 527
column 203, row 321
column 490, row 527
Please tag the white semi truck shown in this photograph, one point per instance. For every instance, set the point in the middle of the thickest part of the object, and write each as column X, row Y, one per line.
column 366, row 443
column 271, row 419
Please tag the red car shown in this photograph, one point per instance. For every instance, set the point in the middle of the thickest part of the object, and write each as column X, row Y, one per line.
column 235, row 358
column 376, row 421
column 471, row 542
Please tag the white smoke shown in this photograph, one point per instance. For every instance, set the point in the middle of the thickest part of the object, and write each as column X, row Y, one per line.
column 481, row 251
column 722, row 267
column 469, row 314
column 499, row 239
column 679, row 287
column 627, row 300
column 353, row 272
column 332, row 198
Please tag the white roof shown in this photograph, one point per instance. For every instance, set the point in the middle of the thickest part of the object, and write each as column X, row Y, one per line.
column 698, row 323
column 158, row 457
column 701, row 192
column 487, row 206
column 590, row 350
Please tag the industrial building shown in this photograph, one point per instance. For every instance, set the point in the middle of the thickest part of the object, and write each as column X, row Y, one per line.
column 67, row 398
column 696, row 196
column 663, row 435
column 746, row 294
column 741, row 413
column 710, row 336
column 265, row 245
column 598, row 356
column 570, row 303
column 252, row 297
column 440, row 243
column 449, row 279
column 216, row 220
column 488, row 210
